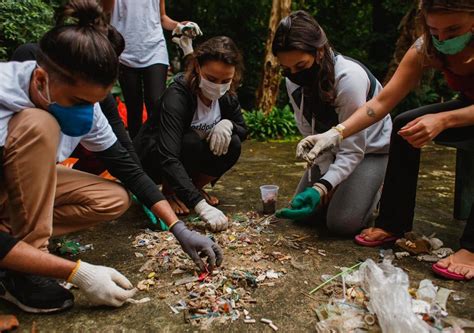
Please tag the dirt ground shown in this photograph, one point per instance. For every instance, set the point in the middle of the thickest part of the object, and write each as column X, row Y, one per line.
column 285, row 303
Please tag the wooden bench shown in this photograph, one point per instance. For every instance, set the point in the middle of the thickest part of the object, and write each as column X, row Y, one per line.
column 464, row 183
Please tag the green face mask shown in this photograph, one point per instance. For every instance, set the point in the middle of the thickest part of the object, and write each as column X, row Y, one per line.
column 453, row 45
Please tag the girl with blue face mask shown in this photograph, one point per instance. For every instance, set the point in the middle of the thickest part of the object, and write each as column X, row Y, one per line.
column 47, row 108
column 446, row 45
column 195, row 137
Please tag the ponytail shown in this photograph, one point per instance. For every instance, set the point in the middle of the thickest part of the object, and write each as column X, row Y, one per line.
column 81, row 45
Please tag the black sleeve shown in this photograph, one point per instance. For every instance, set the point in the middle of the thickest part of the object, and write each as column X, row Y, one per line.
column 122, row 166
column 234, row 114
column 172, row 123
column 109, row 108
column 7, row 243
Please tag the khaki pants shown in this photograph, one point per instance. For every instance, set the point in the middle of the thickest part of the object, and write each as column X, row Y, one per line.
column 38, row 198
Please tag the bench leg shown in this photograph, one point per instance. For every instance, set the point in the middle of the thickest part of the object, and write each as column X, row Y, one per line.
column 464, row 186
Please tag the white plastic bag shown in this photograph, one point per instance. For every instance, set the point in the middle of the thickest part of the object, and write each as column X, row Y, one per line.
column 387, row 287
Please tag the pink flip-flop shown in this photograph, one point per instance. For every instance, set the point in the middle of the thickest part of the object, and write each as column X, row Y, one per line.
column 362, row 241
column 444, row 272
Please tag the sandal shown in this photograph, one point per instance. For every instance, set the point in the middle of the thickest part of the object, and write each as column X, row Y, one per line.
column 444, row 272
column 359, row 239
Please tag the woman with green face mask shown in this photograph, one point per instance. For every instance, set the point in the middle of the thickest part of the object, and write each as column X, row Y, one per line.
column 446, row 45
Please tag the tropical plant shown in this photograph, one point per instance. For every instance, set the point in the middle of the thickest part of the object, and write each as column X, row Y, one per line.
column 278, row 124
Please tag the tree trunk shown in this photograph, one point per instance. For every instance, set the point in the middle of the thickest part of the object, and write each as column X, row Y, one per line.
column 408, row 34
column 268, row 90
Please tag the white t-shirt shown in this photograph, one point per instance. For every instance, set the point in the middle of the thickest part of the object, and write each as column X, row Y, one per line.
column 14, row 97
column 205, row 118
column 139, row 22
column 352, row 85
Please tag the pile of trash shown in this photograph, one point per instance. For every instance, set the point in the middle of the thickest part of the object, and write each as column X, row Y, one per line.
column 224, row 294
column 377, row 297
column 425, row 248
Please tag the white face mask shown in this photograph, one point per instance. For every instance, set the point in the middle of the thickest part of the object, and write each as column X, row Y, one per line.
column 212, row 90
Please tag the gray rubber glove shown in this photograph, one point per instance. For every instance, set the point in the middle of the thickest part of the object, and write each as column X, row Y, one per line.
column 216, row 219
column 313, row 145
column 185, row 43
column 190, row 29
column 220, row 136
column 197, row 245
column 102, row 285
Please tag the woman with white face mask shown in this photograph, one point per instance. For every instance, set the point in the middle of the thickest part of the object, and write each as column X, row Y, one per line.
column 195, row 136
column 446, row 45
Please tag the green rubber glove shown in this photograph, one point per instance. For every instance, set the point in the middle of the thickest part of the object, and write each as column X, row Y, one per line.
column 302, row 205
column 150, row 214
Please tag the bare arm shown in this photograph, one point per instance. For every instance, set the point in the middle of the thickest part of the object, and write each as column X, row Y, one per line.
column 27, row 259
column 166, row 21
column 165, row 212
column 459, row 118
column 405, row 79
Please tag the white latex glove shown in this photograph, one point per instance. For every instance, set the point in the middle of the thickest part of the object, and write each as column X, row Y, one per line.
column 102, row 285
column 220, row 136
column 216, row 219
column 190, row 29
column 313, row 145
column 185, row 43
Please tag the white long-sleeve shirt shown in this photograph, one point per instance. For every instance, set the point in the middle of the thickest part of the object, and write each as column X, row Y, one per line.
column 352, row 85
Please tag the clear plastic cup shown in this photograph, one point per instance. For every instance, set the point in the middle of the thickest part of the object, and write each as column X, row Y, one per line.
column 269, row 198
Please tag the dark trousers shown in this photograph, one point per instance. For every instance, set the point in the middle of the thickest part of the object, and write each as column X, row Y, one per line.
column 198, row 158
column 139, row 84
column 397, row 206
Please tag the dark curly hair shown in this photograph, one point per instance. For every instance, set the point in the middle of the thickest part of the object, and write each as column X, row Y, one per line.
column 219, row 48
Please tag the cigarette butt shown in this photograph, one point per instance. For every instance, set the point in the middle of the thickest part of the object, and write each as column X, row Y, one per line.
column 273, row 326
column 249, row 321
column 266, row 321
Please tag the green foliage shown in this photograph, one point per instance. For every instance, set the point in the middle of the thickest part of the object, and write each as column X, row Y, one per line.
column 245, row 21
column 22, row 21
column 279, row 124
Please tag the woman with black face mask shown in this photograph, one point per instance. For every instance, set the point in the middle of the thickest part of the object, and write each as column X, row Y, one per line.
column 324, row 89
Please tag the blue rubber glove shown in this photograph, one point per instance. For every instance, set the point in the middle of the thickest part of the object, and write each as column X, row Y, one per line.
column 303, row 205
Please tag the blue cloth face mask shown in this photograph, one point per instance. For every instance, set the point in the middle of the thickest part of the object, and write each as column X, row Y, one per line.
column 453, row 45
column 73, row 120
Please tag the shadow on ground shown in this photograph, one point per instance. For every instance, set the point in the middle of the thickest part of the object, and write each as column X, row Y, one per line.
column 285, row 304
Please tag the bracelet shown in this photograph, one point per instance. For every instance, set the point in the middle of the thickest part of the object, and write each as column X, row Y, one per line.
column 172, row 224
column 340, row 128
column 321, row 187
column 74, row 271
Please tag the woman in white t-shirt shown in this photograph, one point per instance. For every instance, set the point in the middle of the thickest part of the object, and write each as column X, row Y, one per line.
column 324, row 89
column 144, row 62
column 195, row 136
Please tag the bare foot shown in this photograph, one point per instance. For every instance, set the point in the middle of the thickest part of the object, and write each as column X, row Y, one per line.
column 177, row 205
column 210, row 199
column 462, row 262
column 375, row 234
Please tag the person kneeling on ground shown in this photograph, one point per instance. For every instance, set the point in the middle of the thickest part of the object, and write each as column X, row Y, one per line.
column 48, row 107
column 196, row 134
column 325, row 88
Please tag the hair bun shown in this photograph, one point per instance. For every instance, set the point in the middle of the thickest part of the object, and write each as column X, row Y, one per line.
column 86, row 12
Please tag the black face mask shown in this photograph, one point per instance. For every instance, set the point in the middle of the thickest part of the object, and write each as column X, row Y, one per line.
column 305, row 77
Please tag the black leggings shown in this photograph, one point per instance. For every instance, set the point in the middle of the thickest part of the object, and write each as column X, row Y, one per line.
column 137, row 84
column 197, row 157
column 397, row 206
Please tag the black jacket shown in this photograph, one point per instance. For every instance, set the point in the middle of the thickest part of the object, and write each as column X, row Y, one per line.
column 160, row 137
